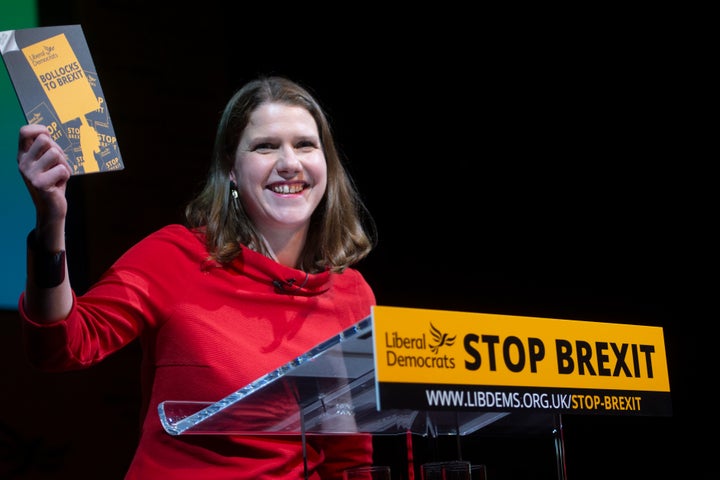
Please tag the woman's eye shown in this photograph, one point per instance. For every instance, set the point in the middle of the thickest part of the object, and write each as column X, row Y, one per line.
column 305, row 145
column 264, row 147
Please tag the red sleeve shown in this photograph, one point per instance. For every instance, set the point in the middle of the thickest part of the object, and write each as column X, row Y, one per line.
column 131, row 295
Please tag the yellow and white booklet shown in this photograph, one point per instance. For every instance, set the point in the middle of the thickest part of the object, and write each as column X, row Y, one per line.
column 57, row 85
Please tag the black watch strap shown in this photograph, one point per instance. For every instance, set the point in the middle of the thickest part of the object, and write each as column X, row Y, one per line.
column 48, row 268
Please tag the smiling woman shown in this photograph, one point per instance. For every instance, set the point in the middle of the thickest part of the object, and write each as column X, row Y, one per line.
column 280, row 172
column 276, row 208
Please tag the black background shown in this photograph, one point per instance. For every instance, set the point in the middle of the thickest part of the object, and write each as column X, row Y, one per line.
column 540, row 163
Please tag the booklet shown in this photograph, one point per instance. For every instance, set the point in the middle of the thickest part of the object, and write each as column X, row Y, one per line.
column 55, row 80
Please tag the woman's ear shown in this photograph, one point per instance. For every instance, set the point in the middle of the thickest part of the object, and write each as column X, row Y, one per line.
column 233, row 190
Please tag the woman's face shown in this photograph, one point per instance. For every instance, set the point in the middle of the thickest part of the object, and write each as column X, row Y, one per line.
column 280, row 168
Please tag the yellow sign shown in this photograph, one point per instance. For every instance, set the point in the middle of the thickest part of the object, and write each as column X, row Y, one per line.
column 591, row 365
column 62, row 78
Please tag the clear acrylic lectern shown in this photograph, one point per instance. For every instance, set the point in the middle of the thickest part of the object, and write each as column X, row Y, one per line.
column 331, row 389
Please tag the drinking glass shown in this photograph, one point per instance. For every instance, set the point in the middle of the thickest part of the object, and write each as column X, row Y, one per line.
column 375, row 472
column 478, row 472
column 447, row 470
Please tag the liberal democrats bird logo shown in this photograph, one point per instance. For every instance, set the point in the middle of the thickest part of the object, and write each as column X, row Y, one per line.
column 441, row 339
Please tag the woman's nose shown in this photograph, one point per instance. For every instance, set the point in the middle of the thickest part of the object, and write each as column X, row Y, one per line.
column 288, row 160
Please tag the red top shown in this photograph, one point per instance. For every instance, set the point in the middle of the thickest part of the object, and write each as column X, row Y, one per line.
column 207, row 331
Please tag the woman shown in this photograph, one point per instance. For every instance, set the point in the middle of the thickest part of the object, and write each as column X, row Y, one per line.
column 260, row 274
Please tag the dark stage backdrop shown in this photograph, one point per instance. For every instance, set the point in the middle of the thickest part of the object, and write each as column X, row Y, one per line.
column 515, row 164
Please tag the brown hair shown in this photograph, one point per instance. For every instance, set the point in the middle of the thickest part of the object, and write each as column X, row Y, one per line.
column 341, row 233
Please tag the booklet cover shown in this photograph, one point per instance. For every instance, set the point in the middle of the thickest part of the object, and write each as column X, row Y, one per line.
column 55, row 80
